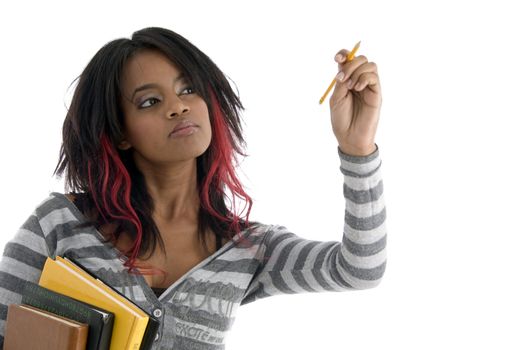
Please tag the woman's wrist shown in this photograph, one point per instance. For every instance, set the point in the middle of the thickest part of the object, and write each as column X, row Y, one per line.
column 358, row 152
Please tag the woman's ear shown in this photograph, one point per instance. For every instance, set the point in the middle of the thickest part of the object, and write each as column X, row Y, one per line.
column 124, row 145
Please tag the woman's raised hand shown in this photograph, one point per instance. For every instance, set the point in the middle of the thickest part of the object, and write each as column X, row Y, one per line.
column 355, row 104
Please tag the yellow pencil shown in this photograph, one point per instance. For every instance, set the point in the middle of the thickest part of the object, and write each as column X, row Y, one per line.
column 350, row 57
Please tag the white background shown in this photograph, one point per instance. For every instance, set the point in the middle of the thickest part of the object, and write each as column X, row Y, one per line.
column 451, row 137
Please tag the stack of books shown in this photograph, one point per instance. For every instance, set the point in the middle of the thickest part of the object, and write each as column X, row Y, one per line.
column 72, row 309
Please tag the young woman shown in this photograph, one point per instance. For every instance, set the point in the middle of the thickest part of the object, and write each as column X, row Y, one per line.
column 149, row 146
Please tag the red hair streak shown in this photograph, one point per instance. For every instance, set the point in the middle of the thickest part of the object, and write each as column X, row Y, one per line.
column 222, row 171
column 114, row 191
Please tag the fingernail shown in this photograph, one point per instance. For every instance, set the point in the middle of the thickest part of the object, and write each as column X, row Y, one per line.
column 349, row 84
column 339, row 57
column 340, row 76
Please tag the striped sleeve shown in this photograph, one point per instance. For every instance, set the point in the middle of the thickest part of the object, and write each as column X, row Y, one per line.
column 22, row 260
column 291, row 264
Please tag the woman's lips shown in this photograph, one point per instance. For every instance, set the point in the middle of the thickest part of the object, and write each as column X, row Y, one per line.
column 184, row 131
column 183, row 128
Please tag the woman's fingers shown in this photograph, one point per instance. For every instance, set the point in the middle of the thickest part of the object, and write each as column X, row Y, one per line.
column 356, row 75
column 350, row 73
column 348, row 68
column 364, row 74
column 341, row 56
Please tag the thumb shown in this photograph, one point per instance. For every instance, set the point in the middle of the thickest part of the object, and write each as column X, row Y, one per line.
column 340, row 91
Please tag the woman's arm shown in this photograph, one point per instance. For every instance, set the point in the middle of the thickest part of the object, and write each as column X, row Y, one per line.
column 291, row 264
column 22, row 261
column 294, row 265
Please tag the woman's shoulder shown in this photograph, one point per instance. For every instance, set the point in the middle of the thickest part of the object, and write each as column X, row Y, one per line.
column 58, row 219
column 59, row 208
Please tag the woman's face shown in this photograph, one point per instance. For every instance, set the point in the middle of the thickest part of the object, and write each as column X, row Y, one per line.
column 152, row 112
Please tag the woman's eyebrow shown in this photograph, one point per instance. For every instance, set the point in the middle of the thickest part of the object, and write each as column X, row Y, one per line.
column 154, row 85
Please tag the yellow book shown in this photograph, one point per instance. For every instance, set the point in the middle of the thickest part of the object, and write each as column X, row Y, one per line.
column 140, row 331
column 103, row 285
column 130, row 322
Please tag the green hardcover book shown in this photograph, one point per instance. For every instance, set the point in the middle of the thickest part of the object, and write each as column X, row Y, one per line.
column 100, row 321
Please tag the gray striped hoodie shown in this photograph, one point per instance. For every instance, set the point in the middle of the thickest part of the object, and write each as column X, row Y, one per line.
column 197, row 311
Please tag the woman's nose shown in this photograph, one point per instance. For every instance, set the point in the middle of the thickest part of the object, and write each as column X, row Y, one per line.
column 178, row 108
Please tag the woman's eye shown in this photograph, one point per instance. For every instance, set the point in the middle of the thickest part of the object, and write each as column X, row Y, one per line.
column 147, row 100
column 189, row 88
